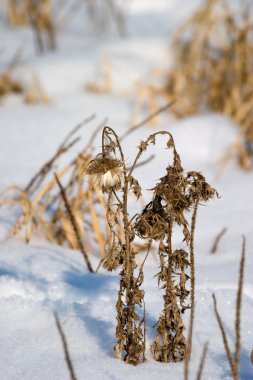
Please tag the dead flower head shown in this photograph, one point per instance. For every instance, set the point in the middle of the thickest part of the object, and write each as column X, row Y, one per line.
column 107, row 172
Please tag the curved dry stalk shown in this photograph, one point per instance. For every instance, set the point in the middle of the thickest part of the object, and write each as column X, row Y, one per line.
column 224, row 335
column 218, row 239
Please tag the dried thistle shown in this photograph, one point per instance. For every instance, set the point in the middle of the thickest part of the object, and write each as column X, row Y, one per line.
column 175, row 195
column 114, row 179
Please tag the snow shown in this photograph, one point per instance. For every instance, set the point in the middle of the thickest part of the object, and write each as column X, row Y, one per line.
column 39, row 278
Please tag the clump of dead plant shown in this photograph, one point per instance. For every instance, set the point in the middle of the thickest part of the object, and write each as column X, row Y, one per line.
column 8, row 84
column 38, row 14
column 175, row 195
column 213, row 53
column 68, row 209
column 43, row 209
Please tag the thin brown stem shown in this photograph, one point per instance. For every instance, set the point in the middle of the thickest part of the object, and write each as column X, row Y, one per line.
column 147, row 120
column 218, row 239
column 202, row 362
column 224, row 336
column 143, row 146
column 63, row 148
column 192, row 266
column 238, row 313
column 65, row 348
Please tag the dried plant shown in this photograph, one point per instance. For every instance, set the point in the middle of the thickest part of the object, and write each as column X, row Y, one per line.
column 17, row 12
column 212, row 68
column 234, row 362
column 36, row 92
column 174, row 196
column 39, row 15
column 8, row 84
column 42, row 207
column 110, row 173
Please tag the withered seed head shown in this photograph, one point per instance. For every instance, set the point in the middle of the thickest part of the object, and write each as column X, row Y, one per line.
column 107, row 171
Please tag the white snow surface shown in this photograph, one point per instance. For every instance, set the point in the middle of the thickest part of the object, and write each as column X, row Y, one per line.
column 39, row 278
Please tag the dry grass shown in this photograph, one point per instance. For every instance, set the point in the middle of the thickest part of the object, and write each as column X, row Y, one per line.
column 213, row 68
column 38, row 14
column 8, row 84
column 42, row 208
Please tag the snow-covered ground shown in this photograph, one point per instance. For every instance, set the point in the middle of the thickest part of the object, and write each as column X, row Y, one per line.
column 40, row 278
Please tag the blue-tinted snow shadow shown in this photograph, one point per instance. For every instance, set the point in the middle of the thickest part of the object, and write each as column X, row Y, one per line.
column 98, row 328
column 94, row 285
column 8, row 272
column 90, row 283
column 246, row 369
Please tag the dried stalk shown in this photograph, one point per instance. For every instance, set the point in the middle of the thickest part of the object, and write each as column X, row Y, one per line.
column 218, row 239
column 234, row 363
column 65, row 348
column 63, row 148
column 174, row 195
column 202, row 362
column 74, row 225
column 111, row 174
